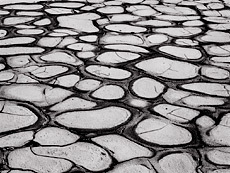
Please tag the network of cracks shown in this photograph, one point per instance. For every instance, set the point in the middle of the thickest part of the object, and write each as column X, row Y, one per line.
column 120, row 86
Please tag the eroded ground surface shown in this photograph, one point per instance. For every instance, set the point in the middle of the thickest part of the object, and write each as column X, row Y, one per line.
column 123, row 86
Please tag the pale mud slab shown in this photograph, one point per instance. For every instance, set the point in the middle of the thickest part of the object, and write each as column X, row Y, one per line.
column 43, row 72
column 213, row 72
column 134, row 166
column 127, row 38
column 176, row 113
column 79, row 22
column 215, row 89
column 110, row 10
column 104, row 118
column 167, row 68
column 17, row 139
column 157, row 38
column 205, row 122
column 124, row 28
column 88, row 84
column 155, row 23
column 190, row 99
column 126, row 47
column 16, row 171
column 84, row 47
column 178, row 163
column 162, row 133
column 215, row 36
column 20, row 50
column 108, row 72
column 182, row 52
column 61, row 56
column 90, row 156
column 17, row 20
column 121, row 148
column 219, row 171
column 55, row 136
column 117, row 57
column 33, row 32
column 109, row 92
column 15, row 116
column 179, row 32
column 72, row 103
column 219, row 156
column 66, row 81
column 19, row 157
column 6, row 2
column 18, row 61
column 218, row 133
column 178, row 18
column 124, row 18
column 175, row 10
column 17, row 40
column 147, row 88
column 42, row 95
column 114, row 86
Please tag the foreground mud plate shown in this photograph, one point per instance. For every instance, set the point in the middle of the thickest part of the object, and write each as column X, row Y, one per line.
column 115, row 86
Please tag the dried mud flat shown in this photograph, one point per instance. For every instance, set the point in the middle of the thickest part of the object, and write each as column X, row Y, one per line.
column 119, row 86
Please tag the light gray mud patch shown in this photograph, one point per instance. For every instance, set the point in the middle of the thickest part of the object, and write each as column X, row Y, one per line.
column 114, row 86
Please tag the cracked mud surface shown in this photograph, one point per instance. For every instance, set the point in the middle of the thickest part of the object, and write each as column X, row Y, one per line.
column 119, row 86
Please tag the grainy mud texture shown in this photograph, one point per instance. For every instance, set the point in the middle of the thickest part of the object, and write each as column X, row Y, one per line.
column 114, row 86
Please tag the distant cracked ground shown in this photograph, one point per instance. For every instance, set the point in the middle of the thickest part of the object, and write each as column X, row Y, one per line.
column 123, row 86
